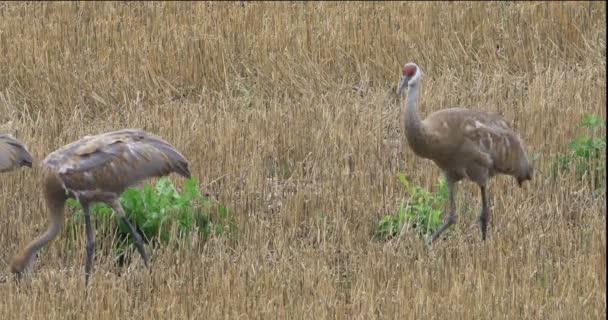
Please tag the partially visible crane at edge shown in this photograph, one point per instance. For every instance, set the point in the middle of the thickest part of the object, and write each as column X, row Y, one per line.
column 13, row 154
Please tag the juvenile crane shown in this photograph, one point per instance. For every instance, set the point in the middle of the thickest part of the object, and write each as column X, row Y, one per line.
column 463, row 143
column 98, row 169
column 13, row 154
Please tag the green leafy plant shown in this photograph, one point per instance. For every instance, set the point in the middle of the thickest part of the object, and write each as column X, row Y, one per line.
column 422, row 210
column 157, row 211
column 584, row 156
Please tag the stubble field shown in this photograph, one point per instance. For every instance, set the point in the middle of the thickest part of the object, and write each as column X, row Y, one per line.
column 287, row 113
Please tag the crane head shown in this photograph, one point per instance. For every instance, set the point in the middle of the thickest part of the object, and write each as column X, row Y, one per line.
column 410, row 75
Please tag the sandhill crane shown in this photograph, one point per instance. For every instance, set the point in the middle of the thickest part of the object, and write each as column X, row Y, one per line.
column 463, row 143
column 98, row 169
column 13, row 154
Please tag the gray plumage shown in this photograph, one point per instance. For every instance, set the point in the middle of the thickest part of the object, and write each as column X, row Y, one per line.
column 114, row 161
column 98, row 169
column 463, row 143
column 13, row 154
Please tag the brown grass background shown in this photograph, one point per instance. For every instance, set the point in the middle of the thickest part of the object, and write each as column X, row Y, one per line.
column 286, row 111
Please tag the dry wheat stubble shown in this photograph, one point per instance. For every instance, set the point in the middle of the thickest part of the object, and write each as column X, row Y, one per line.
column 286, row 111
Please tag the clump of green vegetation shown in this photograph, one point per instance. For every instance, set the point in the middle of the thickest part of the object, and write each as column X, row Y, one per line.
column 158, row 212
column 422, row 210
column 585, row 156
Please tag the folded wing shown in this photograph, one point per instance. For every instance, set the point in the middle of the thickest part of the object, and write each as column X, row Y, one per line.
column 115, row 160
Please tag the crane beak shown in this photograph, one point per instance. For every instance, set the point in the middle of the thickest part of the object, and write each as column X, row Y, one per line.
column 402, row 84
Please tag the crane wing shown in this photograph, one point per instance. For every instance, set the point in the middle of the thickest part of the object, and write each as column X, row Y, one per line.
column 13, row 154
column 115, row 160
column 494, row 136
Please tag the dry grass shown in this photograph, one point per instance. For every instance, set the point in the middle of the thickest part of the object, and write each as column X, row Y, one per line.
column 286, row 110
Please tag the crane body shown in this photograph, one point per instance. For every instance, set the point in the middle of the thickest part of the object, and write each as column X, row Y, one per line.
column 464, row 144
column 98, row 169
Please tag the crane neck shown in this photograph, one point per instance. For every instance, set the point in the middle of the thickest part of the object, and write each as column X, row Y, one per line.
column 411, row 106
column 24, row 260
column 415, row 130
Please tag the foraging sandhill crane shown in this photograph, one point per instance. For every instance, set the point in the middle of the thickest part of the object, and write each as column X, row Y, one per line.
column 98, row 169
column 463, row 143
column 13, row 154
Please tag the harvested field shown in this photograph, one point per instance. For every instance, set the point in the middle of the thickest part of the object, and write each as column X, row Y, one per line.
column 287, row 113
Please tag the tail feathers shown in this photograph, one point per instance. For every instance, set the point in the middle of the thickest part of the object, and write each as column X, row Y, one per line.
column 26, row 158
column 13, row 153
column 529, row 173
column 178, row 162
column 181, row 167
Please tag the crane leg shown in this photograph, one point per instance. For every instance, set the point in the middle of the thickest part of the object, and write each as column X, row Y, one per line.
column 89, row 245
column 451, row 214
column 484, row 218
column 115, row 204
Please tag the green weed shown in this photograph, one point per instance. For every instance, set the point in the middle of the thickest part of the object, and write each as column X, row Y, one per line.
column 585, row 156
column 422, row 210
column 157, row 212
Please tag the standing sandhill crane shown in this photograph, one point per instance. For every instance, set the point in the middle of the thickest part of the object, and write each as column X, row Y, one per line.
column 13, row 154
column 98, row 169
column 463, row 143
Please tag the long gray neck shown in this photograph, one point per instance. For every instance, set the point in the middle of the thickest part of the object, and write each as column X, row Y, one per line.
column 24, row 261
column 415, row 131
